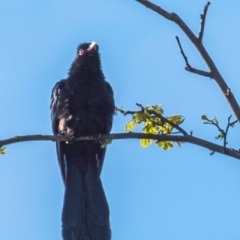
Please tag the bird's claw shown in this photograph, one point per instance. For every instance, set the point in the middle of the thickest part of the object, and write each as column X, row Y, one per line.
column 69, row 134
column 98, row 138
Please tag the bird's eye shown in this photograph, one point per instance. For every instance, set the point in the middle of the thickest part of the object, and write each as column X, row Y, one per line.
column 81, row 52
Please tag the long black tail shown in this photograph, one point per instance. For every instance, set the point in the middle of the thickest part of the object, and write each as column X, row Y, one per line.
column 85, row 214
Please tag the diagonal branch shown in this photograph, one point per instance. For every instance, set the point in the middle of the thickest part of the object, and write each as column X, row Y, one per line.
column 198, row 44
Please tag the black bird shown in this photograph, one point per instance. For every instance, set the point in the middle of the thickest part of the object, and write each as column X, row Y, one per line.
column 83, row 105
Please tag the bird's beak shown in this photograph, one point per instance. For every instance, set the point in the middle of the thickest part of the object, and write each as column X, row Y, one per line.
column 93, row 46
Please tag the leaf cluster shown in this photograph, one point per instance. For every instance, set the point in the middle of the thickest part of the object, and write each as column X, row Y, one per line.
column 153, row 122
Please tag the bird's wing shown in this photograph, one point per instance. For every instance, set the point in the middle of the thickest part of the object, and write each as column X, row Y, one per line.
column 57, row 107
column 108, row 126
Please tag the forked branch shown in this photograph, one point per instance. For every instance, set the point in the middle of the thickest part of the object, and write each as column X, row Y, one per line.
column 197, row 42
column 188, row 66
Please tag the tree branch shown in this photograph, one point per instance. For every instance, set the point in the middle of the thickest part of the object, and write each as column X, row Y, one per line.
column 188, row 66
column 223, row 134
column 202, row 23
column 230, row 124
column 189, row 138
column 198, row 44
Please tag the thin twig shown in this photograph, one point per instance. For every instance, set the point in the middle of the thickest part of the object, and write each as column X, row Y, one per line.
column 188, row 66
column 216, row 125
column 230, row 124
column 199, row 72
column 125, row 112
column 202, row 23
column 182, row 52
column 223, row 134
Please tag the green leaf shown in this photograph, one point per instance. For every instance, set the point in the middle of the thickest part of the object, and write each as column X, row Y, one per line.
column 215, row 120
column 2, row 150
column 204, row 117
column 175, row 119
column 158, row 109
column 165, row 144
column 219, row 136
column 145, row 142
column 130, row 125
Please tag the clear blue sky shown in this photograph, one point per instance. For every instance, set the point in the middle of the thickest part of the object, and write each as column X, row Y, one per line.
column 180, row 194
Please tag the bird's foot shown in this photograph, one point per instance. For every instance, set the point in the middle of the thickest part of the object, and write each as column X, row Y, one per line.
column 98, row 138
column 69, row 133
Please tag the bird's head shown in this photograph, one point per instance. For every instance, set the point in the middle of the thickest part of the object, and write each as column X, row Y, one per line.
column 87, row 59
column 87, row 49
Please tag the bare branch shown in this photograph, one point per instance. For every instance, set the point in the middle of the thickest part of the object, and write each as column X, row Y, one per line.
column 202, row 23
column 188, row 66
column 182, row 52
column 36, row 137
column 199, row 72
column 189, row 138
column 198, row 44
column 156, row 8
column 124, row 112
column 230, row 124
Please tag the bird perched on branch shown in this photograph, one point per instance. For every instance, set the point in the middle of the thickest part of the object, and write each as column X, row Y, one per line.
column 83, row 105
